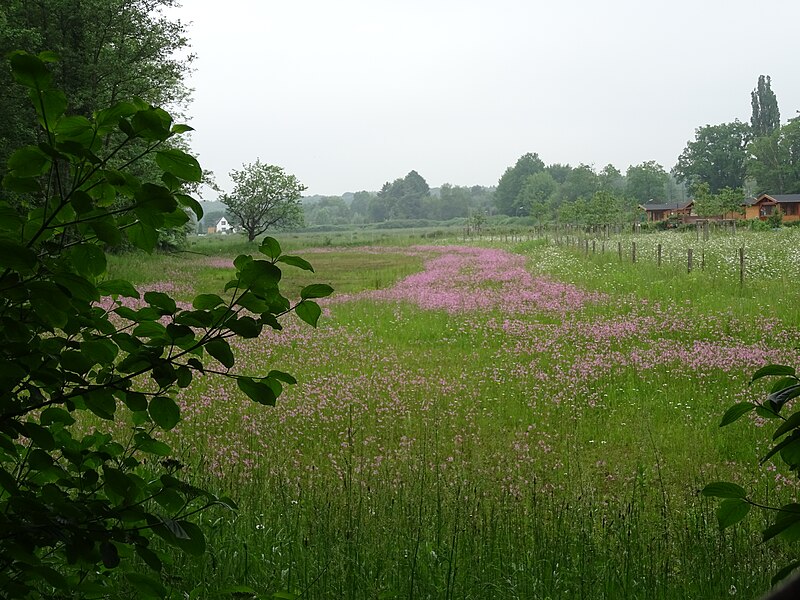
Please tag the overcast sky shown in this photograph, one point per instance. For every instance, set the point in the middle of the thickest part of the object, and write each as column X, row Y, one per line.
column 348, row 94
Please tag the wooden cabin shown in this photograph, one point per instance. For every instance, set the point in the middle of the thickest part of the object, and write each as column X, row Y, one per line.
column 662, row 211
column 761, row 207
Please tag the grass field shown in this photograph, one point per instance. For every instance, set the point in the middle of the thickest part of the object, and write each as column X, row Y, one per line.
column 496, row 421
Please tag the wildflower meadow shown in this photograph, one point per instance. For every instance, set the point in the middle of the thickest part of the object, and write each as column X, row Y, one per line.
column 486, row 421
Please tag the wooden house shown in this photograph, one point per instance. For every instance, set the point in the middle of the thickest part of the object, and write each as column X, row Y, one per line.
column 662, row 211
column 761, row 207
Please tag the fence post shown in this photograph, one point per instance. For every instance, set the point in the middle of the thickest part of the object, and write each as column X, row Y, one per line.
column 703, row 260
column 633, row 251
column 619, row 250
column 689, row 260
column 741, row 265
column 659, row 255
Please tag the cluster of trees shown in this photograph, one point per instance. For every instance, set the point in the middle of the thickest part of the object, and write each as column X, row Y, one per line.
column 760, row 157
column 108, row 51
column 405, row 198
column 558, row 192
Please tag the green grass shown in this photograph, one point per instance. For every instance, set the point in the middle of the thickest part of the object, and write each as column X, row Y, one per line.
column 430, row 455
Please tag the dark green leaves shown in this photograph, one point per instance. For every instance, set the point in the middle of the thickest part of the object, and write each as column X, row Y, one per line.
column 180, row 164
column 164, row 412
column 296, row 261
column 731, row 511
column 221, row 350
column 30, row 71
column 773, row 370
column 309, row 311
column 723, row 489
column 258, row 391
column 317, row 290
column 735, row 412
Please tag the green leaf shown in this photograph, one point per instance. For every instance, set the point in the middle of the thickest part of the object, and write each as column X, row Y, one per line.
column 246, row 327
column 731, row 511
column 143, row 236
column 109, row 555
column 783, row 370
column 207, row 301
column 29, row 70
column 787, row 524
column 316, row 290
column 309, row 312
column 777, row 399
column 180, row 164
column 723, row 489
column 76, row 128
column 28, row 162
column 257, row 391
column 88, row 259
column 296, row 261
column 281, row 376
column 784, row 572
column 162, row 301
column 164, row 412
column 149, row 557
column 270, row 247
column 221, row 350
column 195, row 543
column 188, row 202
column 50, row 105
column 146, row 586
column 735, row 412
column 793, row 422
column 16, row 256
column 118, row 287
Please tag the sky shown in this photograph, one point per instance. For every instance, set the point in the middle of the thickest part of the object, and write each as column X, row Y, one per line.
column 349, row 94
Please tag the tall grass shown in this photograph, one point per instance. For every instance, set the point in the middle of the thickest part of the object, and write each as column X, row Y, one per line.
column 521, row 439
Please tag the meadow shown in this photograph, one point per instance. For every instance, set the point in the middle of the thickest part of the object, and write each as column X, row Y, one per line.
column 490, row 420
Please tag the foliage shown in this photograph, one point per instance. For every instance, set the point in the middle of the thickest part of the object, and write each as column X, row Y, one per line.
column 724, row 203
column 646, row 181
column 264, row 196
column 716, row 156
column 78, row 501
column 109, row 50
column 537, row 195
column 507, row 196
column 402, row 199
column 775, row 160
column 766, row 116
column 736, row 502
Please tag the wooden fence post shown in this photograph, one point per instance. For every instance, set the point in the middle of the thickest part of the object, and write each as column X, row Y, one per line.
column 741, row 265
column 619, row 250
column 658, row 261
column 633, row 251
column 689, row 260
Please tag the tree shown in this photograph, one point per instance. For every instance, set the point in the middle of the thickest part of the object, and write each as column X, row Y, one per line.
column 716, row 156
column 108, row 50
column 775, row 160
column 765, row 117
column 609, row 179
column 646, row 181
column 264, row 196
column 581, row 182
column 537, row 195
column 78, row 504
column 510, row 184
column 723, row 203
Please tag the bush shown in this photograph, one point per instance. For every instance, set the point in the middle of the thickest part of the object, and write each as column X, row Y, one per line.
column 80, row 507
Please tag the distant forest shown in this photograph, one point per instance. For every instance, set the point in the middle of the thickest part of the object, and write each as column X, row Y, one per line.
column 529, row 188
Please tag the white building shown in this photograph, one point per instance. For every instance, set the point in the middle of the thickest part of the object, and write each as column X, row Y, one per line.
column 223, row 226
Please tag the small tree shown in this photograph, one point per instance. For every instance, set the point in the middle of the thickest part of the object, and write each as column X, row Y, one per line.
column 264, row 197
column 75, row 506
